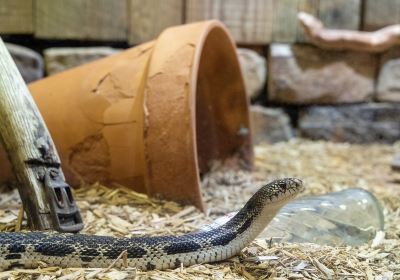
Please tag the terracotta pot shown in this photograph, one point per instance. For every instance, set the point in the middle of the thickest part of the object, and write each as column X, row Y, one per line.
column 152, row 117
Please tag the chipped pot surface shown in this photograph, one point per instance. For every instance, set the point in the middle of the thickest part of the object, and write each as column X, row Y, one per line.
column 147, row 117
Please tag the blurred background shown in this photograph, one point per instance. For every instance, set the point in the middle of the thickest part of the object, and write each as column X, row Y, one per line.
column 333, row 95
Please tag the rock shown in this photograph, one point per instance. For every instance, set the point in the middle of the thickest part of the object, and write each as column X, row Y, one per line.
column 61, row 59
column 254, row 69
column 30, row 63
column 388, row 85
column 396, row 163
column 360, row 123
column 301, row 74
column 270, row 125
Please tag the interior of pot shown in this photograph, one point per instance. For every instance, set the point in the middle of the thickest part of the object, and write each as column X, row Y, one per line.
column 222, row 117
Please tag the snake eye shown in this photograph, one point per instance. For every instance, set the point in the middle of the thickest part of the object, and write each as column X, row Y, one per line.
column 282, row 184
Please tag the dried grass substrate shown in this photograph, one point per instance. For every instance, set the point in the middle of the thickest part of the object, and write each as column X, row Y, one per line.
column 323, row 166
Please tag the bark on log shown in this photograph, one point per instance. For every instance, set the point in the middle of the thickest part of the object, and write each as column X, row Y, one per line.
column 377, row 41
column 27, row 142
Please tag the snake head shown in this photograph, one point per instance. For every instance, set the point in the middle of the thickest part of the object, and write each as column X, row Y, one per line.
column 265, row 204
column 282, row 189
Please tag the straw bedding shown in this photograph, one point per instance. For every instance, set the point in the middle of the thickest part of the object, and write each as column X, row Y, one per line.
column 324, row 166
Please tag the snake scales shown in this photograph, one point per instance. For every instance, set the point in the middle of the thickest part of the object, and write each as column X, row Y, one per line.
column 146, row 253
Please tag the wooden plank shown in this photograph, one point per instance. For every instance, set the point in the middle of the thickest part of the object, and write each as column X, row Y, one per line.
column 201, row 10
column 81, row 19
column 249, row 22
column 285, row 21
column 340, row 14
column 378, row 14
column 149, row 18
column 310, row 7
column 16, row 16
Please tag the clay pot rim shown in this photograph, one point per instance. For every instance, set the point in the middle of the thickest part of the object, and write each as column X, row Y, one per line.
column 198, row 37
column 211, row 25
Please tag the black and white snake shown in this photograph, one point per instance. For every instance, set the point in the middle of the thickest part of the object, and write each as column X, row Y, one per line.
column 146, row 253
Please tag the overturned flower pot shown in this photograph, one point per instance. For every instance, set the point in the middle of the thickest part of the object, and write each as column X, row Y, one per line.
column 153, row 117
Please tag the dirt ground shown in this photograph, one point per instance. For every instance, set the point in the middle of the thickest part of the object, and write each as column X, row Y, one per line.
column 323, row 166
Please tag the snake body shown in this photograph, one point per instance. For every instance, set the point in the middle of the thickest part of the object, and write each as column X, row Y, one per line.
column 147, row 253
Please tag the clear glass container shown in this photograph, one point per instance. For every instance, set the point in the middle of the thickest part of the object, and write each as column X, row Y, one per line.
column 348, row 217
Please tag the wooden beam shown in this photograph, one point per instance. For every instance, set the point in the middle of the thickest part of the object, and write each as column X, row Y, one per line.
column 340, row 14
column 249, row 22
column 16, row 16
column 149, row 18
column 285, row 21
column 310, row 7
column 81, row 19
column 378, row 14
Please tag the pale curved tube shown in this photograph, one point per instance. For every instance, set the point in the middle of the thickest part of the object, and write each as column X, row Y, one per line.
column 377, row 41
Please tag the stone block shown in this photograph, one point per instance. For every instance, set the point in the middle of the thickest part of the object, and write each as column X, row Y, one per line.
column 388, row 84
column 396, row 163
column 254, row 68
column 61, row 59
column 301, row 74
column 358, row 123
column 29, row 63
column 270, row 125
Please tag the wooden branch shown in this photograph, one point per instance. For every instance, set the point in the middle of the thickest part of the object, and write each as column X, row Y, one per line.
column 27, row 143
column 377, row 41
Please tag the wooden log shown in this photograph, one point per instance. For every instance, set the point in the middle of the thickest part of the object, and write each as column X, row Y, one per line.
column 378, row 14
column 16, row 16
column 81, row 19
column 27, row 142
column 249, row 22
column 149, row 18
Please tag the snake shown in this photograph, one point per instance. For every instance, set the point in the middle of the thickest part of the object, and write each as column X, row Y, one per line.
column 29, row 249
